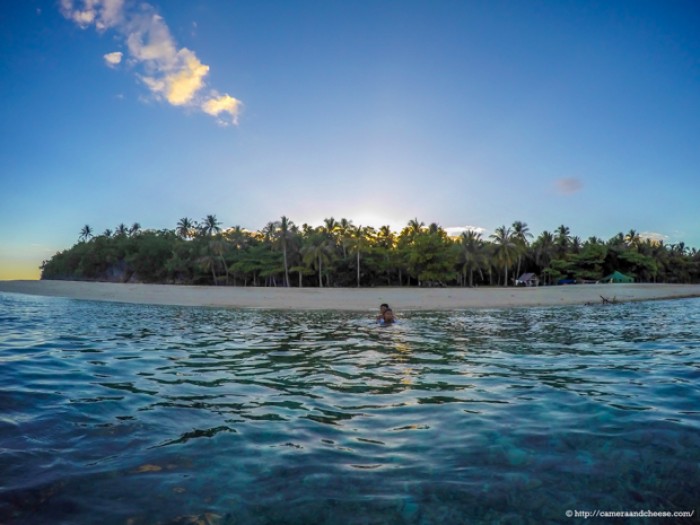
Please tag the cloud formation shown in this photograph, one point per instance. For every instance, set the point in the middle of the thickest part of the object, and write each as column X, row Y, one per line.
column 568, row 185
column 654, row 237
column 113, row 59
column 223, row 104
column 456, row 231
column 171, row 74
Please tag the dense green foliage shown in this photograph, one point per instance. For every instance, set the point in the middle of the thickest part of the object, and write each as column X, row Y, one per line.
column 342, row 254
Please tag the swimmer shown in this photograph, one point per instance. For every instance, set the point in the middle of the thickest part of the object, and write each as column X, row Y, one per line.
column 388, row 317
column 382, row 308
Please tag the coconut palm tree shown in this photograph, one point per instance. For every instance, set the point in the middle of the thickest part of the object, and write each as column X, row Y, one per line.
column 185, row 227
column 107, row 233
column 344, row 229
column 632, row 239
column 545, row 249
column 317, row 252
column 575, row 244
column 121, row 230
column 210, row 225
column 414, row 227
column 386, row 237
column 135, row 228
column 357, row 244
column 284, row 235
column 521, row 234
column 238, row 237
column 563, row 239
column 505, row 248
column 472, row 255
column 218, row 248
column 330, row 224
column 85, row 233
column 269, row 232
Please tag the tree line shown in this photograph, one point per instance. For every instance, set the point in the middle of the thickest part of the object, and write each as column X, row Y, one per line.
column 340, row 253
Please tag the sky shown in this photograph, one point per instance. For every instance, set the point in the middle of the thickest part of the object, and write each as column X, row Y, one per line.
column 470, row 114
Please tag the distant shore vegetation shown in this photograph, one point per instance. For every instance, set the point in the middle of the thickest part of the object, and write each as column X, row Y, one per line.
column 340, row 253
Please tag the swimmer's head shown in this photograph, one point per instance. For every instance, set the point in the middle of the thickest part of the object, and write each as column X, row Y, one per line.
column 388, row 316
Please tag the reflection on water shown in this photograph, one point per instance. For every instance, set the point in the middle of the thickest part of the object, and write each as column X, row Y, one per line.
column 142, row 414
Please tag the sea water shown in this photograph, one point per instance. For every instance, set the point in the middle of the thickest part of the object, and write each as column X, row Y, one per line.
column 133, row 414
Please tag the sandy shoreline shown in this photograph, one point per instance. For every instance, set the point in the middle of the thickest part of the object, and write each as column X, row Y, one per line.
column 350, row 299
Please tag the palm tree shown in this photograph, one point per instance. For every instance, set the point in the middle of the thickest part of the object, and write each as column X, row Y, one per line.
column 415, row 227
column 575, row 244
column 210, row 225
column 268, row 233
column 185, row 226
column 679, row 248
column 632, row 239
column 237, row 237
column 357, row 243
column 521, row 233
column 121, row 230
column 316, row 252
column 471, row 254
column 385, row 237
column 505, row 248
column 385, row 243
column 85, row 233
column 285, row 226
column 563, row 239
column 330, row 224
column 218, row 248
column 135, row 228
column 545, row 249
column 107, row 233
column 344, row 229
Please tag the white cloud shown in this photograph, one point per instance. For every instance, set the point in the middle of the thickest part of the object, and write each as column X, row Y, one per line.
column 456, row 231
column 113, row 59
column 653, row 236
column 568, row 185
column 223, row 104
column 103, row 13
column 175, row 75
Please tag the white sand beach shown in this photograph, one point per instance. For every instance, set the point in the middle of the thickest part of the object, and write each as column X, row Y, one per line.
column 350, row 299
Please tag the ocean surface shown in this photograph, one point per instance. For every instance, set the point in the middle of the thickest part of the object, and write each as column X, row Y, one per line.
column 132, row 414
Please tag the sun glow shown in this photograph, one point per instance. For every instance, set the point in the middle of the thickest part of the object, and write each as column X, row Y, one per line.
column 362, row 218
column 13, row 269
column 376, row 220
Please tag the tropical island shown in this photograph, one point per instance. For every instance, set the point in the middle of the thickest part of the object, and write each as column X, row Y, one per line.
column 341, row 254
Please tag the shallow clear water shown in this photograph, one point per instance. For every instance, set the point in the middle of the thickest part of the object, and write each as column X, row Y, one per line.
column 143, row 414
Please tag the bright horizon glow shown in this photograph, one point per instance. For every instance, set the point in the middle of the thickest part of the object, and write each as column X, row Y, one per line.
column 18, row 270
column 461, row 113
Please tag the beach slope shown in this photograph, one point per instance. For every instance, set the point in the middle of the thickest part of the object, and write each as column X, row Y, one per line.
column 350, row 299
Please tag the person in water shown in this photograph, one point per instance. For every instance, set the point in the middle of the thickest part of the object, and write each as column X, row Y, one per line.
column 388, row 317
column 382, row 308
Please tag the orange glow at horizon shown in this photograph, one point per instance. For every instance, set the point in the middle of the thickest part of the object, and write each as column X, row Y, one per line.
column 18, row 270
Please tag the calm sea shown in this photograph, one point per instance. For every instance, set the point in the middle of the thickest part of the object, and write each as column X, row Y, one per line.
column 126, row 414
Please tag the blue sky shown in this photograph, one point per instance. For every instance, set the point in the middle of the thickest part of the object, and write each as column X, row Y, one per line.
column 468, row 113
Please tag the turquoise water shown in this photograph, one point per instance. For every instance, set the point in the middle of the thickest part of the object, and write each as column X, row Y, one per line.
column 141, row 414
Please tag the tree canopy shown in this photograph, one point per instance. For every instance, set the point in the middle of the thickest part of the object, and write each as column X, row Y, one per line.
column 339, row 253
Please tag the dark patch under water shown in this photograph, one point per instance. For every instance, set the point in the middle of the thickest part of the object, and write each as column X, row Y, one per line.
column 129, row 414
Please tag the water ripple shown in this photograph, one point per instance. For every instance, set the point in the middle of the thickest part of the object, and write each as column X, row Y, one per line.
column 173, row 412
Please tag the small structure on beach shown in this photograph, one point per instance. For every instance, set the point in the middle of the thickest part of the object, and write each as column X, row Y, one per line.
column 527, row 279
column 617, row 277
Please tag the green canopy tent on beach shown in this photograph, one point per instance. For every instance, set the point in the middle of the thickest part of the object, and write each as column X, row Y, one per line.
column 617, row 277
